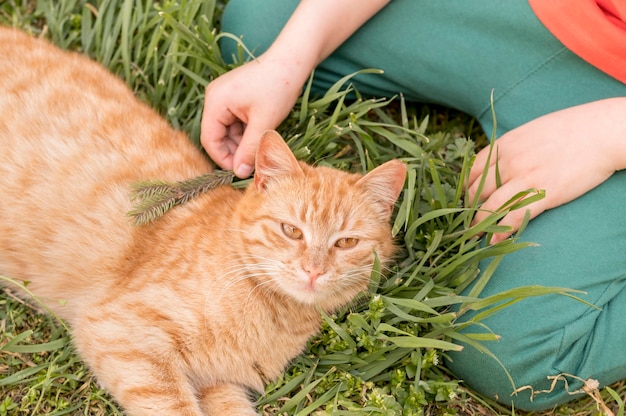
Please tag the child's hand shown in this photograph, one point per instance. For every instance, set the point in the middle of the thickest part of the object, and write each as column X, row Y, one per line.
column 242, row 104
column 566, row 153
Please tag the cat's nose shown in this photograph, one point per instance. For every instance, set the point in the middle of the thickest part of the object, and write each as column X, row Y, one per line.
column 313, row 271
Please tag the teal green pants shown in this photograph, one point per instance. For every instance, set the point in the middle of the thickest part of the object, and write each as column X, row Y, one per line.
column 436, row 52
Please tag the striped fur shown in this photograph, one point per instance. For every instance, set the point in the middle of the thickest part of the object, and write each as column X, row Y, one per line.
column 185, row 316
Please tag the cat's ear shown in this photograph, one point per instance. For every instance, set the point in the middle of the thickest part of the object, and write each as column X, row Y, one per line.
column 385, row 183
column 274, row 159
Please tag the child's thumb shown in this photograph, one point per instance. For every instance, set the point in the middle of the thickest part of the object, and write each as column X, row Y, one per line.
column 243, row 163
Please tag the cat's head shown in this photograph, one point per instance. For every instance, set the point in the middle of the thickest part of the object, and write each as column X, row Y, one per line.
column 311, row 232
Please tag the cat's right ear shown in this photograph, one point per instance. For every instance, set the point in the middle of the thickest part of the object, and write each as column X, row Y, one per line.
column 273, row 159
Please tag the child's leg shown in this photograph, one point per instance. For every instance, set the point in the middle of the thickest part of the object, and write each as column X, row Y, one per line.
column 582, row 246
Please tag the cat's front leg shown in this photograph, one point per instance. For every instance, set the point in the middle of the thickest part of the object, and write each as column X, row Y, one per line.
column 139, row 370
column 226, row 399
column 145, row 391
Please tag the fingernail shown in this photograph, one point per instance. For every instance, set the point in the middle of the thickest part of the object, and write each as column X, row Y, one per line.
column 243, row 171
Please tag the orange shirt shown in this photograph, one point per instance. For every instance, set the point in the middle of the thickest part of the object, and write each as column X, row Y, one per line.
column 595, row 30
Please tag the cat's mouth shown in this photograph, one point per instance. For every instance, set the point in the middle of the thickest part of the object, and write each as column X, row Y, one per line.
column 307, row 290
column 311, row 285
column 311, row 289
column 321, row 290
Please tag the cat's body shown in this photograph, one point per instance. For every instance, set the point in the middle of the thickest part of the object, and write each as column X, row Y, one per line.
column 183, row 316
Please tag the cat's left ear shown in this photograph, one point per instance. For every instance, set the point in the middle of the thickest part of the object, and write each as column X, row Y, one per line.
column 274, row 159
column 385, row 183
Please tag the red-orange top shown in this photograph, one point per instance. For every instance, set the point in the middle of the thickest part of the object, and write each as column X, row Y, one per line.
column 595, row 30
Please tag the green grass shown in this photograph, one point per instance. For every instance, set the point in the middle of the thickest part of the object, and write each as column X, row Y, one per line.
column 167, row 51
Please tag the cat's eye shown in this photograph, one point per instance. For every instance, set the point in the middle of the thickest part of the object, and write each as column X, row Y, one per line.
column 347, row 242
column 292, row 231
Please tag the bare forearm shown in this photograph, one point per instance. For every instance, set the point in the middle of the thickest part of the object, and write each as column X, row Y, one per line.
column 610, row 117
column 316, row 29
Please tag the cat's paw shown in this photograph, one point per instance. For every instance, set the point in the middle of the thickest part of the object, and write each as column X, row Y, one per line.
column 227, row 399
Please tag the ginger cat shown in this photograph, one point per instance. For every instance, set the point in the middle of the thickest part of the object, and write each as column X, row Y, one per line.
column 185, row 316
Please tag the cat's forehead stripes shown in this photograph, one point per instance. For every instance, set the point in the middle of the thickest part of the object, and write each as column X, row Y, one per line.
column 329, row 202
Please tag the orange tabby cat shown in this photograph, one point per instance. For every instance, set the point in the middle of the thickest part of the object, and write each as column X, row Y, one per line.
column 187, row 315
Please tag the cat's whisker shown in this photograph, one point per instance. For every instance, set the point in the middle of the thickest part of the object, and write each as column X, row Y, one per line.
column 244, row 272
column 240, row 268
column 257, row 287
column 254, row 262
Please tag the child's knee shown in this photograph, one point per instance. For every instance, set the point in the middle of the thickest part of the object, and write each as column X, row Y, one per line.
column 525, row 360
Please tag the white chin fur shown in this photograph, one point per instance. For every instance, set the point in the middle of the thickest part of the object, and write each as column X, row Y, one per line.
column 302, row 292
